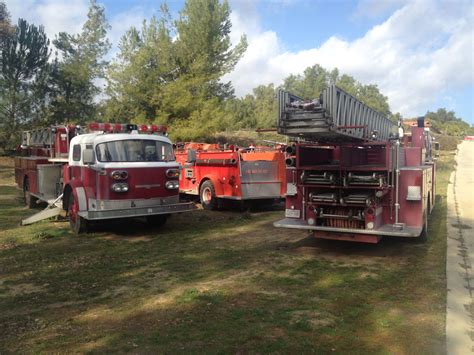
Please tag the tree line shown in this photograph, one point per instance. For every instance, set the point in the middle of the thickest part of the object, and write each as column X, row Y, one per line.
column 168, row 71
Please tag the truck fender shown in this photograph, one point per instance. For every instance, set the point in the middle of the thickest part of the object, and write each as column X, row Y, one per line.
column 78, row 192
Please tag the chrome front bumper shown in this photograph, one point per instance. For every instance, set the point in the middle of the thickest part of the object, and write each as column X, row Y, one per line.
column 138, row 211
column 387, row 230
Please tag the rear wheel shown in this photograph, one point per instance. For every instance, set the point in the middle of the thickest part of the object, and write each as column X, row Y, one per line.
column 77, row 223
column 423, row 238
column 207, row 195
column 30, row 200
column 157, row 220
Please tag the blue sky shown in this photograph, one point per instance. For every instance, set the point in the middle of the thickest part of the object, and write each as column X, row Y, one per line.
column 419, row 53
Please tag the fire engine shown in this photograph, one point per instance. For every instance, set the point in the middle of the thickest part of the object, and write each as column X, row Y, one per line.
column 351, row 173
column 112, row 171
column 214, row 173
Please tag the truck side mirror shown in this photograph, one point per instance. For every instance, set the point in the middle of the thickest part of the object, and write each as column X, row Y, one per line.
column 88, row 156
column 191, row 156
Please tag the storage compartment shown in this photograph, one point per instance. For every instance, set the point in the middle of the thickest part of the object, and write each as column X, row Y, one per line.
column 49, row 180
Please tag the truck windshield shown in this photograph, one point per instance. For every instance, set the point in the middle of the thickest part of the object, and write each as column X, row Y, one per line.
column 134, row 150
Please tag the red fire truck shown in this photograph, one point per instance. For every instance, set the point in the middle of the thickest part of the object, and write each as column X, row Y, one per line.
column 111, row 172
column 213, row 173
column 351, row 174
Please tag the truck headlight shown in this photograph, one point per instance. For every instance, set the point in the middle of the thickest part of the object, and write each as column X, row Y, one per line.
column 121, row 187
column 172, row 185
column 370, row 225
column 172, row 173
column 119, row 175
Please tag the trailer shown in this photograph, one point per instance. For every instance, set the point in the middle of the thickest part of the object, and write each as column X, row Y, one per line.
column 104, row 171
column 351, row 174
column 215, row 173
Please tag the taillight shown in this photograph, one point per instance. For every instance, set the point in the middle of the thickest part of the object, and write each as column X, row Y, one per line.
column 119, row 175
column 172, row 173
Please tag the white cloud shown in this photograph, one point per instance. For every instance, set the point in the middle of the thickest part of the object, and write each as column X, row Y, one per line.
column 419, row 53
column 55, row 15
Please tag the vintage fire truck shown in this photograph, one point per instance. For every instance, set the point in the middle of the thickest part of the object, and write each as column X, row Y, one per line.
column 215, row 173
column 113, row 171
column 352, row 174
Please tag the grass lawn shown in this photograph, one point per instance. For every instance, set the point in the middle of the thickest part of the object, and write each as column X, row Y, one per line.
column 216, row 282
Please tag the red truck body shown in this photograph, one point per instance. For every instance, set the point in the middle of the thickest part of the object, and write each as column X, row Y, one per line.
column 238, row 174
column 353, row 187
column 100, row 175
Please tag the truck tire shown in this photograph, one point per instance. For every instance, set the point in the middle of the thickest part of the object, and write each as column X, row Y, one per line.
column 423, row 238
column 207, row 195
column 30, row 200
column 158, row 220
column 77, row 223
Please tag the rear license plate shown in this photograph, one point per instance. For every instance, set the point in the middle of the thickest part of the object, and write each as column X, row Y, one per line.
column 292, row 213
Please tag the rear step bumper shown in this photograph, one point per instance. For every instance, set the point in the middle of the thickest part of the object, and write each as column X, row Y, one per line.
column 138, row 212
column 387, row 230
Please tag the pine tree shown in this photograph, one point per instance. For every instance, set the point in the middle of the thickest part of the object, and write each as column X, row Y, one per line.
column 80, row 66
column 24, row 56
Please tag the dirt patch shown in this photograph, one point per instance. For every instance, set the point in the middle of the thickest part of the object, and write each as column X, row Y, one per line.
column 7, row 162
column 130, row 239
column 367, row 275
column 313, row 318
column 22, row 289
column 7, row 245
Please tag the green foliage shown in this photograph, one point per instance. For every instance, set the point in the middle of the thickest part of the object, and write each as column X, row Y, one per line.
column 446, row 142
column 6, row 29
column 24, row 57
column 257, row 110
column 81, row 64
column 447, row 123
column 167, row 71
column 176, row 81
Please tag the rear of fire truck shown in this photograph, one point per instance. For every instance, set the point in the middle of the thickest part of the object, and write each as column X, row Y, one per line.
column 350, row 174
column 113, row 171
column 216, row 173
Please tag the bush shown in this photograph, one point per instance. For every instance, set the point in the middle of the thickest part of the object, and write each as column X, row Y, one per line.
column 448, row 142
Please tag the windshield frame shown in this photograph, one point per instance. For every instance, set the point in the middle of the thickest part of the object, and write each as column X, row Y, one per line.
column 158, row 144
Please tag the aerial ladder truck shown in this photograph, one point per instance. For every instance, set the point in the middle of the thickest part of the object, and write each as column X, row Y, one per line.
column 351, row 173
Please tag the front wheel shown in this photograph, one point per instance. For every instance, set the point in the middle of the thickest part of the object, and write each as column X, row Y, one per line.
column 76, row 222
column 208, row 196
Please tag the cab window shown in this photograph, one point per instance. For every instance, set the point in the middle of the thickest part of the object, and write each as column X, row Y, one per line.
column 76, row 152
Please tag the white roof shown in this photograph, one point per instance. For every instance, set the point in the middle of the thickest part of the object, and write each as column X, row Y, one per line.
column 96, row 138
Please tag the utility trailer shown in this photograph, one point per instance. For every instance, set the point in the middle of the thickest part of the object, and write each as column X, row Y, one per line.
column 350, row 175
column 112, row 171
column 216, row 173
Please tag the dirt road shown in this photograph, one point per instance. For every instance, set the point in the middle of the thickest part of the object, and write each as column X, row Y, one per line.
column 460, row 254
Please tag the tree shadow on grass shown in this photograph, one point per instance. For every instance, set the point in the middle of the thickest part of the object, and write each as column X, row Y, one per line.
column 206, row 282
